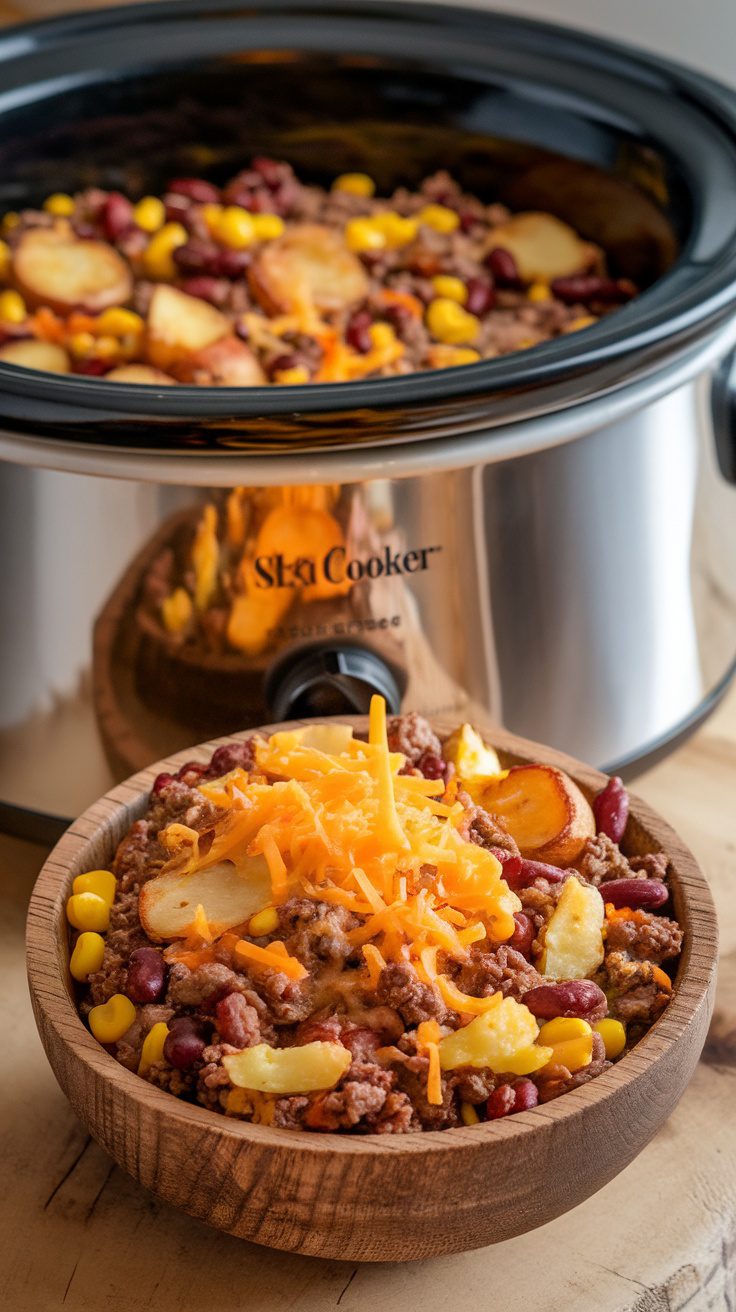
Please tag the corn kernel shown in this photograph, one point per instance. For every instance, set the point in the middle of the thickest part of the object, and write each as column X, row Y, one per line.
column 10, row 220
column 118, row 322
column 292, row 377
column 110, row 1021
column 59, row 205
column 468, row 1114
column 12, row 307
column 382, row 336
column 177, row 610
column 539, row 291
column 447, row 357
column 149, row 214
column 562, row 1028
column 363, row 235
column 88, row 911
column 396, row 230
column 453, row 288
column 235, row 228
column 86, row 958
column 107, row 348
column 582, row 321
column 263, row 922
column 153, row 1046
column 356, row 184
column 80, row 344
column 571, row 1041
column 439, row 217
column 157, row 257
column 4, row 258
column 268, row 226
column 211, row 214
column 101, row 882
column 450, row 323
column 613, row 1034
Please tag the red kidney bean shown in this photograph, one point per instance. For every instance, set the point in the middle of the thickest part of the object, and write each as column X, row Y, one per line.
column 432, row 766
column 272, row 172
column 357, row 334
column 501, row 1102
column 232, row 264
column 191, row 767
column 160, row 782
column 523, row 935
column 117, row 215
column 93, row 368
column 146, row 975
column 520, row 872
column 503, row 266
column 207, row 288
column 526, row 1095
column 196, row 189
column 196, row 256
column 185, row 1042
column 635, row 893
column 361, row 1040
column 611, row 810
column 289, row 360
column 511, row 864
column 468, row 220
column 481, row 296
column 587, row 287
column 178, row 209
column 571, row 997
column 399, row 316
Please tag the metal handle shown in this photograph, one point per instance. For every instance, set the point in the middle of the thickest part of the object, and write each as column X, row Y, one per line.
column 723, row 403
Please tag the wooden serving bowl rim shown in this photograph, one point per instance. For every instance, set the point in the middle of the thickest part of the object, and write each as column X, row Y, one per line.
column 88, row 843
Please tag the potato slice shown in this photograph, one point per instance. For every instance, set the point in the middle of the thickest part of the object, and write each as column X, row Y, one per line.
column 573, row 944
column 303, row 1069
column 36, row 355
column 309, row 265
column 229, row 894
column 543, row 247
column 334, row 739
column 475, row 762
column 51, row 266
column 227, row 363
column 502, row 1037
column 543, row 810
column 140, row 373
column 179, row 326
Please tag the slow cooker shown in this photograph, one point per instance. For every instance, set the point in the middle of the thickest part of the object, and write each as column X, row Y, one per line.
column 546, row 539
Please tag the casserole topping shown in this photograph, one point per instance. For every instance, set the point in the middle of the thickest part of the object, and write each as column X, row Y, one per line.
column 271, row 280
column 320, row 932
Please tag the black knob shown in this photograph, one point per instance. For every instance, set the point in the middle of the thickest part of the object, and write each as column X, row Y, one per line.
column 329, row 681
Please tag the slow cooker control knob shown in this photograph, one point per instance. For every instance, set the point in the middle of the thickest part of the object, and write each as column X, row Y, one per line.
column 329, row 681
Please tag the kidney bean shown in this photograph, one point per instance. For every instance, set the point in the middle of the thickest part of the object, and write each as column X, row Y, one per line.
column 196, row 189
column 481, row 296
column 501, row 1102
column 503, row 267
column 611, row 810
column 468, row 220
column 207, row 288
column 117, row 215
column 93, row 368
column 289, row 360
column 196, row 256
column 232, row 264
column 272, row 172
column 361, row 1040
column 511, row 864
column 526, row 1095
column 432, row 766
column 178, row 209
column 146, row 975
column 572, row 997
column 523, row 936
column 635, row 893
column 357, row 334
column 520, row 872
column 587, row 287
column 185, row 1042
column 191, row 767
column 160, row 782
column 399, row 316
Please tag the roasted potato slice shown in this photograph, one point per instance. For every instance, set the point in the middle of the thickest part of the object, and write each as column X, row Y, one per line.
column 227, row 363
column 475, row 762
column 573, row 944
column 36, row 355
column 302, row 1069
column 52, row 266
column 140, row 373
column 544, row 811
column 310, row 265
column 542, row 246
column 229, row 894
column 180, row 326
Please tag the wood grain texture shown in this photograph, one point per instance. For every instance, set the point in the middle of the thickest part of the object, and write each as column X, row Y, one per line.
column 366, row 1198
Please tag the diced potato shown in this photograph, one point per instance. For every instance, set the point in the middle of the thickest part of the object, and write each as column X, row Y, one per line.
column 36, row 355
column 229, row 894
column 573, row 945
column 140, row 373
column 309, row 266
column 542, row 246
column 179, row 326
column 502, row 1038
column 544, row 810
column 288, row 1070
column 51, row 266
column 228, row 362
column 475, row 762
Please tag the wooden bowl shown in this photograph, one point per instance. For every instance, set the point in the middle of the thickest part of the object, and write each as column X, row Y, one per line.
column 371, row 1198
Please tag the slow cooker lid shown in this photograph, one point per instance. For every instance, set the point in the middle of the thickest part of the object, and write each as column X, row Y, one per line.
column 480, row 81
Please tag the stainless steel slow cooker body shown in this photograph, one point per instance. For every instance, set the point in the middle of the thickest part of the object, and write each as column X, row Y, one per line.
column 549, row 537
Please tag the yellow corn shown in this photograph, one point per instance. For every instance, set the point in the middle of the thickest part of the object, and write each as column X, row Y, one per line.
column 267, row 226
column 468, row 1114
column 118, row 322
column 211, row 214
column 110, row 1021
column 382, row 336
column 153, row 1046
column 292, row 377
column 81, row 344
column 88, row 911
column 12, row 307
column 396, row 230
column 149, row 214
column 10, row 220
column 539, row 291
column 571, row 1041
column 86, row 958
column 439, row 217
column 101, row 882
column 59, row 204
column 446, row 357
column 453, row 288
column 234, row 228
column 613, row 1034
column 177, row 610
column 357, row 184
column 448, row 322
column 582, row 321
column 263, row 922
column 108, row 348
column 363, row 235
column 157, row 257
column 4, row 258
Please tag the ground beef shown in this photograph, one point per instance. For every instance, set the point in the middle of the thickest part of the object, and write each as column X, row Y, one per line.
column 413, row 736
column 316, row 931
column 503, row 970
column 128, row 1049
column 124, row 936
column 288, row 1113
column 484, row 829
column 361, row 1097
column 557, row 1079
column 472, row 1084
column 411, row 1077
column 653, row 865
column 203, row 986
column 602, row 860
column 400, row 987
column 646, row 938
column 634, row 995
column 237, row 1022
column 286, row 1000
